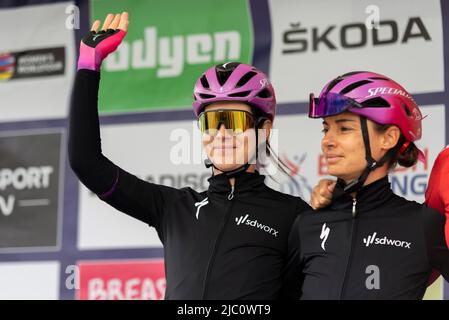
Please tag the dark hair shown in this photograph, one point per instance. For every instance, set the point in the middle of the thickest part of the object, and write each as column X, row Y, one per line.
column 407, row 158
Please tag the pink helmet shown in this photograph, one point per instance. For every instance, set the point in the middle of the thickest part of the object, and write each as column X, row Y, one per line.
column 376, row 97
column 372, row 96
column 234, row 81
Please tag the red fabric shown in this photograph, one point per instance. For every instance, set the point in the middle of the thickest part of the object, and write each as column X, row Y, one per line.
column 437, row 193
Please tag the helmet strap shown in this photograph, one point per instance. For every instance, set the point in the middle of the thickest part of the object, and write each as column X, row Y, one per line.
column 231, row 173
column 372, row 164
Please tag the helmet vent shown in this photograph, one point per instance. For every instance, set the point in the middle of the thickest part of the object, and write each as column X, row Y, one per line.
column 377, row 102
column 244, row 80
column 240, row 94
column 204, row 82
column 206, row 96
column 348, row 74
column 354, row 85
column 224, row 71
column 340, row 78
column 407, row 111
column 265, row 93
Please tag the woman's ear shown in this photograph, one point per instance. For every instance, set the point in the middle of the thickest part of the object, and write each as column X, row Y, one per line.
column 390, row 137
column 267, row 126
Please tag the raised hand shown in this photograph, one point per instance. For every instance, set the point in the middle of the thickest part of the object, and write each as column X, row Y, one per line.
column 96, row 46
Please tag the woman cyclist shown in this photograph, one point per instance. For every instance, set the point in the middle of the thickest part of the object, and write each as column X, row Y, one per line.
column 369, row 243
column 229, row 242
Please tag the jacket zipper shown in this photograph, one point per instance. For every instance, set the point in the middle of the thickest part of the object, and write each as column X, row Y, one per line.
column 354, row 209
column 351, row 249
column 231, row 195
column 217, row 242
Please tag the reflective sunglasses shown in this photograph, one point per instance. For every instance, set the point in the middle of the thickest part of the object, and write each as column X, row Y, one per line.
column 330, row 104
column 238, row 121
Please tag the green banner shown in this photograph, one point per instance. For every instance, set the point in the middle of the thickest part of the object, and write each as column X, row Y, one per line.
column 168, row 45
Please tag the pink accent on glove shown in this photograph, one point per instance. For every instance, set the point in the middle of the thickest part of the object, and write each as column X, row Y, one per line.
column 91, row 58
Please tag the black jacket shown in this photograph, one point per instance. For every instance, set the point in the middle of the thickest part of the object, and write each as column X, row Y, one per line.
column 218, row 244
column 376, row 246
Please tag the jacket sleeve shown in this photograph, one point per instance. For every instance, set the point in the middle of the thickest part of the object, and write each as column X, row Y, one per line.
column 438, row 252
column 138, row 198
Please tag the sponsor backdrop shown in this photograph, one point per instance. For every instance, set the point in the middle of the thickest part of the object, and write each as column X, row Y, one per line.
column 58, row 240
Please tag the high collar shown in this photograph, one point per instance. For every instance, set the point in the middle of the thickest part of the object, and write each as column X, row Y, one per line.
column 371, row 196
column 244, row 181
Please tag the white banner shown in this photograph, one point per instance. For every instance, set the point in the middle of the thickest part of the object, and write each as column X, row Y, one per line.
column 36, row 62
column 148, row 151
column 37, row 280
column 315, row 41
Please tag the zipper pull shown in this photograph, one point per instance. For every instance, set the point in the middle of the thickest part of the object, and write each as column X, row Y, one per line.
column 231, row 195
column 354, row 211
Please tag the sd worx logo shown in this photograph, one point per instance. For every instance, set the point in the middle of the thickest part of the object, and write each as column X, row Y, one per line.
column 255, row 224
column 373, row 239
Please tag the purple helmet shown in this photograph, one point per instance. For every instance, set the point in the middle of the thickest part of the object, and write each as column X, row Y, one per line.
column 384, row 101
column 234, row 81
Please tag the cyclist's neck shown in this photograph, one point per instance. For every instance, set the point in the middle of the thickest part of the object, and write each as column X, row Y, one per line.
column 251, row 169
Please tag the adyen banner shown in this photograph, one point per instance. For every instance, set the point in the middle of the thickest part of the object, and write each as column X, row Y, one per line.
column 29, row 191
column 168, row 45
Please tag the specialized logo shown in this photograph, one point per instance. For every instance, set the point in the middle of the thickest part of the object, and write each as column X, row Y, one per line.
column 264, row 82
column 388, row 90
column 417, row 114
column 96, row 36
column 255, row 224
column 199, row 205
column 374, row 240
column 325, row 230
